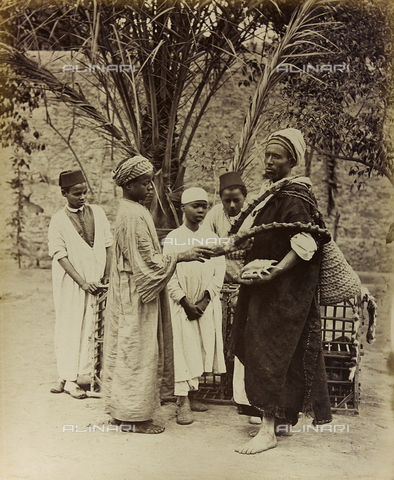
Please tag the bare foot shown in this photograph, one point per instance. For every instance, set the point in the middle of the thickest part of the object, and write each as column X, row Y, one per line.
column 282, row 428
column 264, row 439
column 278, row 433
column 260, row 443
column 141, row 427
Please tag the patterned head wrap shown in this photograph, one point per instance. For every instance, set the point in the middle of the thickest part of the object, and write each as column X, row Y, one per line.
column 292, row 140
column 132, row 168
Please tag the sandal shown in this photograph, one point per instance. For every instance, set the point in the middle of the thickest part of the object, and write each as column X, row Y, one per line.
column 76, row 392
column 197, row 406
column 184, row 415
column 59, row 387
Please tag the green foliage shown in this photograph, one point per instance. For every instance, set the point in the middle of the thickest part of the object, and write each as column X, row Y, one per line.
column 343, row 114
column 302, row 40
column 214, row 162
column 18, row 99
column 182, row 52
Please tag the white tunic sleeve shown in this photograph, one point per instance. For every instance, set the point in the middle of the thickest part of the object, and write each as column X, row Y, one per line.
column 216, row 284
column 304, row 245
column 210, row 220
column 151, row 270
column 56, row 242
column 174, row 289
column 108, row 238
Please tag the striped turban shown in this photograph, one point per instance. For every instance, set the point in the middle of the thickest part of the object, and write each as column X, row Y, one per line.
column 132, row 168
column 292, row 140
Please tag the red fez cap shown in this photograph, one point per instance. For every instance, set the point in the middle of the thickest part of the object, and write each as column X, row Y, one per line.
column 230, row 179
column 70, row 178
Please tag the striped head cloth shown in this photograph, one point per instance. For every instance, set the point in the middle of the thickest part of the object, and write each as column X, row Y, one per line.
column 131, row 168
column 292, row 140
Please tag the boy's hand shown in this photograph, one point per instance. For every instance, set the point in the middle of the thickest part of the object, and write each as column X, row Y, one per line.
column 90, row 287
column 204, row 302
column 193, row 312
column 104, row 280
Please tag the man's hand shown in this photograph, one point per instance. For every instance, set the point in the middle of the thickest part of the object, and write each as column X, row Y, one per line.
column 246, row 245
column 193, row 312
column 244, row 281
column 90, row 287
column 258, row 271
column 266, row 277
column 195, row 253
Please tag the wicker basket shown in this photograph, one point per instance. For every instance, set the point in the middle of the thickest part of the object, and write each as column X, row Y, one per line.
column 338, row 281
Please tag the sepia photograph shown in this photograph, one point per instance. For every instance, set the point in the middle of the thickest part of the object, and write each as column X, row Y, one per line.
column 197, row 239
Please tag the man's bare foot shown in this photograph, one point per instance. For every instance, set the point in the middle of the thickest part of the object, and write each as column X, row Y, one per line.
column 141, row 427
column 260, row 443
column 264, row 439
column 282, row 429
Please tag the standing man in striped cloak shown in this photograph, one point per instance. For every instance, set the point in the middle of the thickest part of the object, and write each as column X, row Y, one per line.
column 138, row 348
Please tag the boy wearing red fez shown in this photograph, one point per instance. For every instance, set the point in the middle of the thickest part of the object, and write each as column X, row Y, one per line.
column 222, row 216
column 79, row 242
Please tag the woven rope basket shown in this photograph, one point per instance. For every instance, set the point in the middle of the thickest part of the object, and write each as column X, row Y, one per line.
column 338, row 281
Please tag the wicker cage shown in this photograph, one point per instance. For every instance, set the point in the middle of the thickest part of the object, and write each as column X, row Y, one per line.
column 341, row 347
column 97, row 339
column 341, row 330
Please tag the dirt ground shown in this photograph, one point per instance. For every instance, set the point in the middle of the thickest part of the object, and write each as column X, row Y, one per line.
column 35, row 445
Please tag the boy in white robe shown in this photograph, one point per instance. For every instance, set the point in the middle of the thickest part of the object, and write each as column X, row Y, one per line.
column 79, row 242
column 196, row 310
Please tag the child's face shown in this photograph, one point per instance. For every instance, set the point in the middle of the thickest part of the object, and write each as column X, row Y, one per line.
column 195, row 211
column 232, row 200
column 139, row 188
column 76, row 195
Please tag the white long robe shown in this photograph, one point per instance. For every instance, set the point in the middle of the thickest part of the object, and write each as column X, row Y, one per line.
column 73, row 306
column 138, row 358
column 198, row 344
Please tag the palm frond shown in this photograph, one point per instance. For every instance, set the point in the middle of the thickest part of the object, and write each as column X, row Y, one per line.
column 300, row 33
column 181, row 52
column 39, row 74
